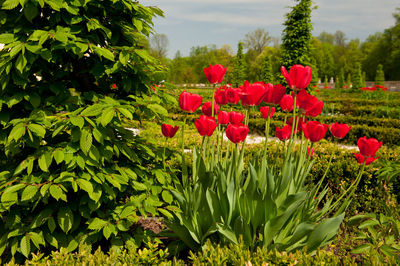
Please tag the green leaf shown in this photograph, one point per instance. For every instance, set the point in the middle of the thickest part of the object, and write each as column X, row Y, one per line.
column 10, row 4
column 167, row 196
column 85, row 185
column 65, row 219
column 45, row 161
column 97, row 224
column 37, row 129
column 124, row 57
column 138, row 24
column 37, row 239
column 104, row 53
column 21, row 63
column 29, row 192
column 30, row 11
column 35, row 100
column 77, row 121
column 93, row 110
column 56, row 192
column 51, row 224
column 25, row 246
column 59, row 156
column 107, row 116
column 17, row 132
column 15, row 50
column 158, row 109
column 86, row 141
column 61, row 36
column 361, row 249
column 6, row 38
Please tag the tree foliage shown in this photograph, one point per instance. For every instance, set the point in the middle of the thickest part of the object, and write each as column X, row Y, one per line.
column 239, row 70
column 380, row 76
column 257, row 40
column 71, row 73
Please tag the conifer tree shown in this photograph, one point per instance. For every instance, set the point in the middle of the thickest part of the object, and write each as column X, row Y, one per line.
column 268, row 76
column 239, row 71
column 380, row 76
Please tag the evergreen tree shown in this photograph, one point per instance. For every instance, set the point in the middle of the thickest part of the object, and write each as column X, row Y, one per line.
column 239, row 71
column 336, row 81
column 267, row 74
column 296, row 40
column 357, row 77
column 363, row 81
column 325, row 82
column 380, row 76
column 341, row 79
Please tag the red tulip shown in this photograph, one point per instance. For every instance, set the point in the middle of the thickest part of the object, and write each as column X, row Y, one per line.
column 286, row 103
column 207, row 108
column 215, row 73
column 252, row 94
column 361, row 159
column 114, row 86
column 368, row 147
column 265, row 110
column 316, row 109
column 220, row 96
column 308, row 152
column 169, row 131
column 314, row 130
column 284, row 132
column 299, row 76
column 300, row 123
column 339, row 130
column 274, row 93
column 237, row 133
column 223, row 118
column 232, row 95
column 205, row 125
column 236, row 118
column 189, row 102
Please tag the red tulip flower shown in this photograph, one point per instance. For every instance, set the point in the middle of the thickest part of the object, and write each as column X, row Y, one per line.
column 207, row 108
column 299, row 76
column 286, row 103
column 215, row 73
column 223, row 118
column 114, row 86
column 169, row 131
column 205, row 125
column 189, row 102
column 316, row 109
column 284, row 132
column 361, row 159
column 368, row 147
column 314, row 130
column 274, row 93
column 220, row 96
column 339, row 130
column 300, row 123
column 265, row 110
column 308, row 152
column 237, row 133
column 252, row 94
column 236, row 118
column 232, row 95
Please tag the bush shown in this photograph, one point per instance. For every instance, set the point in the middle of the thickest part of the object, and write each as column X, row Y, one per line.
column 71, row 73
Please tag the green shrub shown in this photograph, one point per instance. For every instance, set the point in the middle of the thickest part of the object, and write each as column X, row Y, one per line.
column 71, row 73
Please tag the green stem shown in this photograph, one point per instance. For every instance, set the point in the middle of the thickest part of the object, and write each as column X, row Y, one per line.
column 165, row 146
column 267, row 123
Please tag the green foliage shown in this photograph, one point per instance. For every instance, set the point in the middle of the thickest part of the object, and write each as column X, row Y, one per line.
column 325, row 82
column 70, row 172
column 357, row 77
column 268, row 76
column 341, row 80
column 238, row 75
column 348, row 81
column 380, row 76
column 380, row 234
column 296, row 40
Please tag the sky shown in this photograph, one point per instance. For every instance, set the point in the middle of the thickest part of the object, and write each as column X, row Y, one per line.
column 189, row 23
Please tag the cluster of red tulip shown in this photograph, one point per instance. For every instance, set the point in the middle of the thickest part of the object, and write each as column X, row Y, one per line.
column 374, row 88
column 253, row 94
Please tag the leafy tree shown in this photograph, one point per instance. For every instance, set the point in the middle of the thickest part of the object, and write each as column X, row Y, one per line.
column 70, row 172
column 348, row 81
column 239, row 71
column 268, row 76
column 159, row 45
column 380, row 76
column 326, row 82
column 257, row 40
column 296, row 46
column 357, row 77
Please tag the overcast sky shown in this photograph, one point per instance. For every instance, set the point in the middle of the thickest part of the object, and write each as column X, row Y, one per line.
column 189, row 23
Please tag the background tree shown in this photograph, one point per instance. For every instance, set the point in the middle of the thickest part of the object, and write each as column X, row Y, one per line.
column 380, row 76
column 159, row 44
column 357, row 77
column 72, row 73
column 296, row 46
column 268, row 76
column 257, row 40
column 341, row 79
column 239, row 70
column 348, row 81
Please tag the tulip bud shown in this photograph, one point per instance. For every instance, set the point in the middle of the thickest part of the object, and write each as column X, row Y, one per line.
column 237, row 133
column 169, row 131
